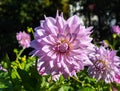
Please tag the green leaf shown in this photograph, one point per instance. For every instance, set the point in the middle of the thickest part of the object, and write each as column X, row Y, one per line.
column 86, row 89
column 26, row 81
column 64, row 88
column 61, row 79
column 4, row 83
column 4, row 80
column 6, row 61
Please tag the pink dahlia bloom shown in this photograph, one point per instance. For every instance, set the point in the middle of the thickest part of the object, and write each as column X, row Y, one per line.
column 23, row 39
column 116, row 29
column 105, row 65
column 62, row 46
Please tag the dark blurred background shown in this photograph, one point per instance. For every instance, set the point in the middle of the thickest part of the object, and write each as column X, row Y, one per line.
column 17, row 15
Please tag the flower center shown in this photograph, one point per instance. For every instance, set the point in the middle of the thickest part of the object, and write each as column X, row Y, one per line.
column 63, row 47
column 104, row 63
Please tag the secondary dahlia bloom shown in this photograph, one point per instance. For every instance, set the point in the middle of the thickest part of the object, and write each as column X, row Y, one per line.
column 62, row 46
column 116, row 29
column 23, row 39
column 105, row 65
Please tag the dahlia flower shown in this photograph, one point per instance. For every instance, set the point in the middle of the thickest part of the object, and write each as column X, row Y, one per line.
column 23, row 39
column 116, row 29
column 105, row 65
column 62, row 46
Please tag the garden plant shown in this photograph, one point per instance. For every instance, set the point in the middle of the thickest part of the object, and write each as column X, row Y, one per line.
column 64, row 57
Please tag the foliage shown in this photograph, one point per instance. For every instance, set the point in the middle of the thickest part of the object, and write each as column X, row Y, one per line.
column 21, row 75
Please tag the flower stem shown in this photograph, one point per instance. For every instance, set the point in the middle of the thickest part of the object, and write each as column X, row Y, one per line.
column 33, row 33
column 77, row 79
column 20, row 53
column 82, row 82
column 18, row 56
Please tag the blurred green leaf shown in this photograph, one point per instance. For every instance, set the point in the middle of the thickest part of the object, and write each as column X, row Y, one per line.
column 4, row 80
column 6, row 62
column 26, row 81
column 64, row 88
column 86, row 89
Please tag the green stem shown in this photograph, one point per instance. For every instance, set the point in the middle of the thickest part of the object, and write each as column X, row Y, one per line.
column 20, row 54
column 33, row 33
column 77, row 79
column 9, row 73
column 82, row 82
column 111, row 47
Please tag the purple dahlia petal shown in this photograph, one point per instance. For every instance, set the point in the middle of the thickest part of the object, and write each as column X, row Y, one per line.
column 74, row 20
column 60, row 22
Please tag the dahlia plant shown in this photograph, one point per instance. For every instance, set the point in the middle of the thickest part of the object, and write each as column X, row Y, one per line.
column 63, row 59
column 62, row 46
